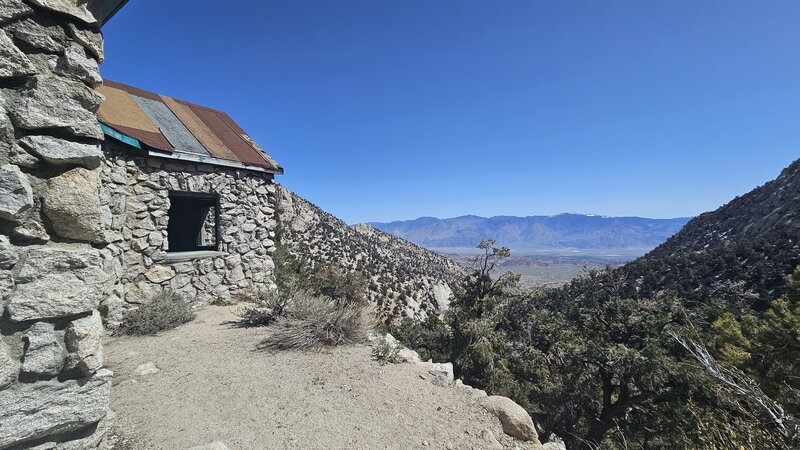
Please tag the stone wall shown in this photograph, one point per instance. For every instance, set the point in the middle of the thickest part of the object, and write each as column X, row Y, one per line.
column 54, row 262
column 137, row 190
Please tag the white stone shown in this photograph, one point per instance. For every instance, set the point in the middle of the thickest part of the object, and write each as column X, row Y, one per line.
column 73, row 285
column 31, row 411
column 72, row 203
column 31, row 231
column 212, row 446
column 148, row 368
column 13, row 63
column 77, row 9
column 159, row 274
column 515, row 420
column 442, row 373
column 44, row 354
column 16, row 194
column 84, row 342
column 50, row 101
column 62, row 152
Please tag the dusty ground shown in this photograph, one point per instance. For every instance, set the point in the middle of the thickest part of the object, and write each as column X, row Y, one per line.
column 213, row 385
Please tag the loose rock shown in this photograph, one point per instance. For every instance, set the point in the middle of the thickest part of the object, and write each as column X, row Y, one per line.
column 491, row 441
column 442, row 373
column 212, row 446
column 148, row 368
column 515, row 420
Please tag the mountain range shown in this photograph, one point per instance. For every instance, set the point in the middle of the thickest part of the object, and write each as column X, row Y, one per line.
column 562, row 231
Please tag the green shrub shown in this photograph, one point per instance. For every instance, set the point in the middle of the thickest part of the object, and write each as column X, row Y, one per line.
column 386, row 353
column 167, row 310
column 314, row 322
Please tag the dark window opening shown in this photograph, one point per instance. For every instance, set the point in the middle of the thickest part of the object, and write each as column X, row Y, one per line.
column 193, row 222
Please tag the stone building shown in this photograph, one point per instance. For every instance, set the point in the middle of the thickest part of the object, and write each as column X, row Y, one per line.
column 191, row 200
column 98, row 216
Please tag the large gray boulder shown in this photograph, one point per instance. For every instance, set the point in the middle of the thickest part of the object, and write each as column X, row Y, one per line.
column 84, row 341
column 62, row 152
column 77, row 9
column 515, row 420
column 44, row 354
column 57, row 282
column 51, row 101
column 36, row 410
column 72, row 203
column 13, row 63
column 8, row 366
column 16, row 194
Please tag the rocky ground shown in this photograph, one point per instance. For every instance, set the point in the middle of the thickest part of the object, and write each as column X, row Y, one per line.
column 405, row 280
column 205, row 382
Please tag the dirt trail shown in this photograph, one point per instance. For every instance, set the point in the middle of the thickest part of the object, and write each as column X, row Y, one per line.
column 213, row 385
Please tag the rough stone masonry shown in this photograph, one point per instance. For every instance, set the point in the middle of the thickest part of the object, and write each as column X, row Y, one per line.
column 54, row 391
column 83, row 228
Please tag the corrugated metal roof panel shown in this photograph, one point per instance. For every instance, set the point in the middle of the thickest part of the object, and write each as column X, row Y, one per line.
column 168, row 124
column 209, row 140
column 121, row 112
column 171, row 127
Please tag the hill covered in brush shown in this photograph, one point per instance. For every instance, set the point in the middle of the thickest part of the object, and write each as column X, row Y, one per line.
column 404, row 279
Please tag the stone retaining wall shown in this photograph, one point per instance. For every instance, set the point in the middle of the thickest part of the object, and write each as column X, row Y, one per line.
column 54, row 262
column 137, row 189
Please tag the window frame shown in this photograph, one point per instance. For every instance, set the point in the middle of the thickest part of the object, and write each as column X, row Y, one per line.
column 217, row 234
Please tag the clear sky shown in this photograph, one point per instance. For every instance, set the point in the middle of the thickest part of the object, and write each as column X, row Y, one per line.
column 382, row 110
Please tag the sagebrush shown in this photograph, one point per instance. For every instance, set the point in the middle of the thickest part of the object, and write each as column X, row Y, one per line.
column 167, row 310
column 317, row 322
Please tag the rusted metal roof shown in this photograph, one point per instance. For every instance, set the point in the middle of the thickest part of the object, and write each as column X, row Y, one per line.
column 178, row 127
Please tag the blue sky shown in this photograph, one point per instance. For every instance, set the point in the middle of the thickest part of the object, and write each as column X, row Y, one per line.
column 384, row 110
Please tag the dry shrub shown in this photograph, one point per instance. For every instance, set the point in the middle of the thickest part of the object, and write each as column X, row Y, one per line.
column 314, row 323
column 250, row 317
column 167, row 310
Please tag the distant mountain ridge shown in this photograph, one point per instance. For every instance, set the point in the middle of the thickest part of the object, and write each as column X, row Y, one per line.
column 576, row 231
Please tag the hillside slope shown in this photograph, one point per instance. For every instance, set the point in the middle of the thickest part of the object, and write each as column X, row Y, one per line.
column 405, row 279
column 576, row 231
column 741, row 251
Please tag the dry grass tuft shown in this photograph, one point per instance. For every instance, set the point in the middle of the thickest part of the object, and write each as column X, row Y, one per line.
column 166, row 311
column 317, row 322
